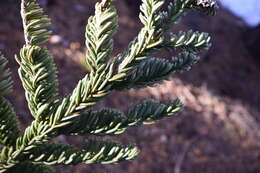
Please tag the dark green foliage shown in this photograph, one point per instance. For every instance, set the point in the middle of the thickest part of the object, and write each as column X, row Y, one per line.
column 189, row 41
column 31, row 150
column 113, row 122
column 5, row 77
column 99, row 33
column 94, row 151
column 9, row 130
column 30, row 168
column 35, row 23
column 38, row 74
column 154, row 70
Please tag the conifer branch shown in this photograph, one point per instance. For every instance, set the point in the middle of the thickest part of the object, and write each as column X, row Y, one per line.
column 94, row 151
column 73, row 115
column 9, row 130
column 151, row 111
column 103, row 122
column 148, row 73
column 39, row 77
column 154, row 70
column 147, row 38
column 6, row 83
column 175, row 11
column 184, row 61
column 179, row 8
column 35, row 23
column 107, row 76
column 53, row 154
column 99, row 33
column 37, row 70
column 188, row 41
column 114, row 122
column 156, row 24
column 108, row 152
column 208, row 7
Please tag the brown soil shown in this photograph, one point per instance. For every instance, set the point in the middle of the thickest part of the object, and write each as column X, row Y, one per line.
column 218, row 131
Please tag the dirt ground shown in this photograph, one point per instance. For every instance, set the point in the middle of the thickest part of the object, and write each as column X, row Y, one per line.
column 218, row 131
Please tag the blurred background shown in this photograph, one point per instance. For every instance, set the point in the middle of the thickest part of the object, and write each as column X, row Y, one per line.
column 218, row 131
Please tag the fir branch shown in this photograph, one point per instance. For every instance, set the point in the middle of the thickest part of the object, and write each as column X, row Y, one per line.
column 92, row 88
column 35, row 23
column 39, row 77
column 89, row 91
column 72, row 106
column 113, row 122
column 175, row 11
column 54, row 154
column 147, row 38
column 188, row 41
column 154, row 70
column 97, row 85
column 156, row 24
column 9, row 130
column 108, row 152
column 147, row 73
column 99, row 33
column 103, row 122
column 208, row 7
column 6, row 83
column 184, row 61
column 151, row 111
column 72, row 115
column 38, row 133
column 178, row 8
column 95, row 151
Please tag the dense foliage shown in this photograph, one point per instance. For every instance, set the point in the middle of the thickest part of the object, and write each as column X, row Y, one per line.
column 32, row 149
